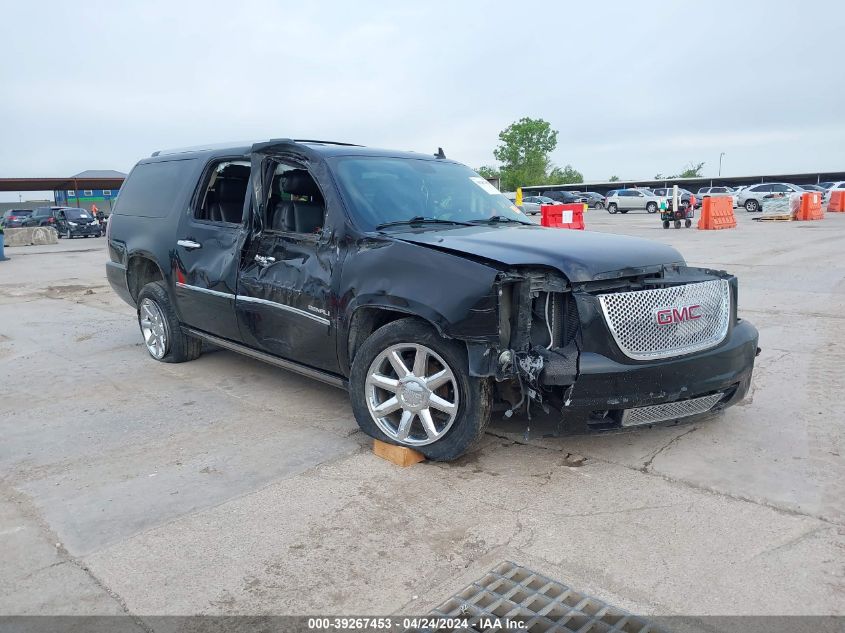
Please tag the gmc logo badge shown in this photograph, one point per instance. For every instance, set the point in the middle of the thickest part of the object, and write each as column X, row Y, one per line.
column 668, row 316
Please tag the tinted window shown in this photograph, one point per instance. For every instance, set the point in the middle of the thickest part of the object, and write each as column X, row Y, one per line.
column 397, row 189
column 153, row 190
column 781, row 188
column 76, row 214
column 761, row 188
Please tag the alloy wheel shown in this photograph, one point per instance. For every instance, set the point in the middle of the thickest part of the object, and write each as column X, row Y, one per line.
column 412, row 394
column 153, row 328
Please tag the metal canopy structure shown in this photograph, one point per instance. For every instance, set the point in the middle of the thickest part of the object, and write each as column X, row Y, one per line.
column 91, row 179
column 693, row 184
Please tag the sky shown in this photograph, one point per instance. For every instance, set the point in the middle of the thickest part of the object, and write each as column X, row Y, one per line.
column 633, row 88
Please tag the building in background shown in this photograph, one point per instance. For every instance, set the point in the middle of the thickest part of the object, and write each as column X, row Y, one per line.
column 102, row 198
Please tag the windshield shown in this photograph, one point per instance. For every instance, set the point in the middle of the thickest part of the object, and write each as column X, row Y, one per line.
column 382, row 190
column 77, row 214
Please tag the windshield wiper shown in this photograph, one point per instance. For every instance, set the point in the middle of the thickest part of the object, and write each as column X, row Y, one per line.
column 496, row 219
column 418, row 219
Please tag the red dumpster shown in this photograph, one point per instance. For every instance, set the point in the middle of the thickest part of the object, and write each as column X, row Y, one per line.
column 562, row 216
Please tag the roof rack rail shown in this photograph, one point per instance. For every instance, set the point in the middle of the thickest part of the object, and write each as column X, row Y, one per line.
column 312, row 140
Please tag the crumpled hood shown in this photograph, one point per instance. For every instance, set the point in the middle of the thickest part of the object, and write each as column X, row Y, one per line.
column 580, row 255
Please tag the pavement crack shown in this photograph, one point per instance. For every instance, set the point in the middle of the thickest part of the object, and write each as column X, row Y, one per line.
column 647, row 464
column 29, row 510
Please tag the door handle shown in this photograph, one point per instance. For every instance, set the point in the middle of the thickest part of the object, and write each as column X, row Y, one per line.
column 261, row 260
column 188, row 244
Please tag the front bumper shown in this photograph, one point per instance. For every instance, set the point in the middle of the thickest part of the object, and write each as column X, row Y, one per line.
column 86, row 229
column 606, row 388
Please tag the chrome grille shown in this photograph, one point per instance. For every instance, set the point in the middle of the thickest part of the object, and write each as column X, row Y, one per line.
column 633, row 319
column 670, row 410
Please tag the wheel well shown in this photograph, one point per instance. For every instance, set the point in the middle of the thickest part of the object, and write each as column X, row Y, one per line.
column 367, row 320
column 140, row 272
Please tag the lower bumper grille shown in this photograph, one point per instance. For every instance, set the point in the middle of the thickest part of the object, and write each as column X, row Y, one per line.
column 670, row 410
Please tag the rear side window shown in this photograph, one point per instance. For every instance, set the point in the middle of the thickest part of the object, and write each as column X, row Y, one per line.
column 153, row 190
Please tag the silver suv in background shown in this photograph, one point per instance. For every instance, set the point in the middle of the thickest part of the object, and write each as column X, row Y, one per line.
column 752, row 197
column 625, row 200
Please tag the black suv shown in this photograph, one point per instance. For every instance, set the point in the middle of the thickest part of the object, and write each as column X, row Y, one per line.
column 69, row 222
column 412, row 282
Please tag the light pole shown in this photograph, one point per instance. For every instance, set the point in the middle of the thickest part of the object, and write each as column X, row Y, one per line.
column 720, row 163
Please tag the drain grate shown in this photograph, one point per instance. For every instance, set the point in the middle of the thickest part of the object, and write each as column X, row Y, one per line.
column 511, row 597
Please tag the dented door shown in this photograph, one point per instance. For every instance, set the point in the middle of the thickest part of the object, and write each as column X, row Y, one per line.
column 284, row 299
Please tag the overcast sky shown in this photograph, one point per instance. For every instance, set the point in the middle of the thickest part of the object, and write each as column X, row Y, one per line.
column 634, row 88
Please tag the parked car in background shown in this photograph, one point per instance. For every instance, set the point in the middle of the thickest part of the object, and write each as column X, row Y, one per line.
column 73, row 222
column 565, row 197
column 840, row 184
column 813, row 188
column 531, row 204
column 42, row 216
column 827, row 184
column 594, row 200
column 752, row 197
column 626, row 200
column 705, row 192
column 666, row 192
column 14, row 218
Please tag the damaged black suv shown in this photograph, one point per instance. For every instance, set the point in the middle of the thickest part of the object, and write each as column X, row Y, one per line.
column 412, row 282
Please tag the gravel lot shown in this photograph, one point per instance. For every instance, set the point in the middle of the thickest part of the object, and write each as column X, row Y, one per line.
column 225, row 486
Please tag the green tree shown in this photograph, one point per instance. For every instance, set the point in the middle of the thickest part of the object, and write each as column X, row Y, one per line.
column 693, row 170
column 488, row 171
column 523, row 151
column 567, row 175
column 613, row 179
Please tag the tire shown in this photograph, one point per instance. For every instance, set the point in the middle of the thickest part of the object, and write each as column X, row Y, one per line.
column 665, row 224
column 455, row 433
column 688, row 223
column 677, row 224
column 599, row 205
column 611, row 208
column 651, row 207
column 177, row 347
column 752, row 206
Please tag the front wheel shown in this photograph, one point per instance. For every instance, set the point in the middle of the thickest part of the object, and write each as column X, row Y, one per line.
column 665, row 224
column 677, row 224
column 410, row 386
column 611, row 208
column 751, row 206
column 688, row 223
column 651, row 207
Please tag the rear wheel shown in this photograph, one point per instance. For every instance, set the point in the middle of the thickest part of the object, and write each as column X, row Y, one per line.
column 160, row 328
column 651, row 207
column 411, row 387
column 611, row 208
column 665, row 224
column 599, row 205
column 688, row 223
column 677, row 224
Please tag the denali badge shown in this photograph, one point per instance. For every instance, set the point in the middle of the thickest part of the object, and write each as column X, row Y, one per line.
column 667, row 316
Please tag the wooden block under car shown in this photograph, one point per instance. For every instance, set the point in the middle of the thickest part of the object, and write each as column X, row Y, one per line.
column 399, row 455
